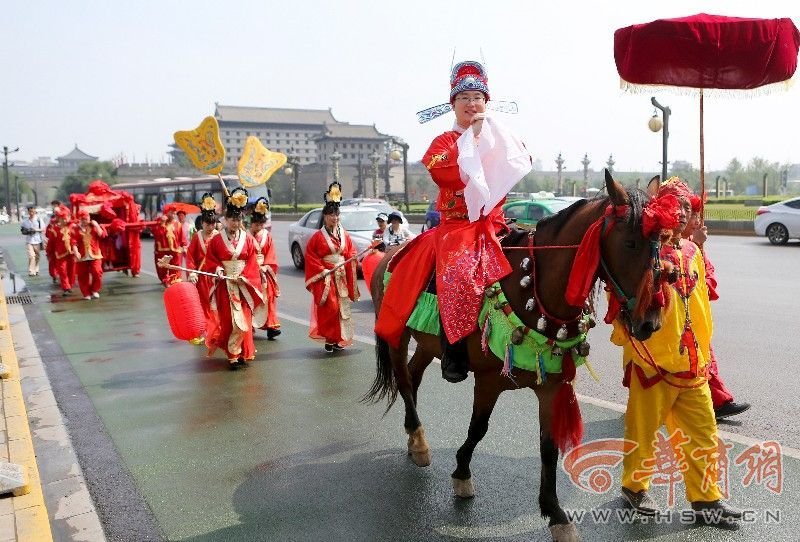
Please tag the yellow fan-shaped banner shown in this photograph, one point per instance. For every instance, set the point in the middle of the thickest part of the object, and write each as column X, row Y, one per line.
column 203, row 146
column 258, row 163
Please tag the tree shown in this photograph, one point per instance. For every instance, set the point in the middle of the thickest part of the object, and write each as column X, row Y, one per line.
column 76, row 183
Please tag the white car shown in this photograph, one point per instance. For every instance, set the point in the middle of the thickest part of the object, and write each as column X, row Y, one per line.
column 779, row 222
column 357, row 220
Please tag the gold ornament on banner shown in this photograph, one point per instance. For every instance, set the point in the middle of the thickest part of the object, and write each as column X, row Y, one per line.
column 258, row 163
column 203, row 146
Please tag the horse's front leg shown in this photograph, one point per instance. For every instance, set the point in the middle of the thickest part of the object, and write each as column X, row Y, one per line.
column 560, row 527
column 488, row 386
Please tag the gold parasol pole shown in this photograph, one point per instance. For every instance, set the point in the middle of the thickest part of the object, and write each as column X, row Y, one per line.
column 224, row 188
column 702, row 165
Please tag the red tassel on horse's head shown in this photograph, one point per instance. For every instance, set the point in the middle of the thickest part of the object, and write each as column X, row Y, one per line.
column 567, row 425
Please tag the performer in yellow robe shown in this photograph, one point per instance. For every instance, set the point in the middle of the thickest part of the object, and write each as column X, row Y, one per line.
column 666, row 376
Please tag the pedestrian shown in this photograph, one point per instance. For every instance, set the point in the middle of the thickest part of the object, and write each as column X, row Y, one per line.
column 267, row 263
column 86, row 235
column 33, row 228
column 238, row 298
column 462, row 256
column 396, row 233
column 62, row 250
column 721, row 396
column 381, row 219
column 331, row 268
column 169, row 241
column 196, row 259
column 667, row 380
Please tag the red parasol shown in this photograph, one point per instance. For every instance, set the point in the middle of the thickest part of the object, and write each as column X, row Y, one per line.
column 181, row 207
column 707, row 52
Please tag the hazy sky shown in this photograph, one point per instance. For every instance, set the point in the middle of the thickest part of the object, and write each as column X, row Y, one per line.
column 121, row 77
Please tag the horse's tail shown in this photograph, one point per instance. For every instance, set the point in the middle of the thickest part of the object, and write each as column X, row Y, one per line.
column 385, row 383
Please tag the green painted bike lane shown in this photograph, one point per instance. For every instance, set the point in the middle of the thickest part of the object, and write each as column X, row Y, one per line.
column 283, row 450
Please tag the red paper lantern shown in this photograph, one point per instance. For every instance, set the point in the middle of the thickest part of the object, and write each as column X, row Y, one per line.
column 184, row 312
column 368, row 265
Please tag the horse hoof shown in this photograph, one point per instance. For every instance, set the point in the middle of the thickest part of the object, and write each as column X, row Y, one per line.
column 565, row 532
column 421, row 459
column 464, row 488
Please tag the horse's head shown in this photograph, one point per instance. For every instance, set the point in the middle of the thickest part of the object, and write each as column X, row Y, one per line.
column 629, row 261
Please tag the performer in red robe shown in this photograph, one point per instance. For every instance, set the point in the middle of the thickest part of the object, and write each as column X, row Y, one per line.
column 86, row 235
column 721, row 396
column 238, row 299
column 62, row 249
column 330, row 280
column 49, row 236
column 169, row 241
column 464, row 249
column 268, row 264
column 196, row 259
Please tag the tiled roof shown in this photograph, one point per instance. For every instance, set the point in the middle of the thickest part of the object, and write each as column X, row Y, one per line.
column 77, row 154
column 273, row 115
column 351, row 131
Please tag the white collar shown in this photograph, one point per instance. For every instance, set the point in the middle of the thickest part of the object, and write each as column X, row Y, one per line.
column 458, row 128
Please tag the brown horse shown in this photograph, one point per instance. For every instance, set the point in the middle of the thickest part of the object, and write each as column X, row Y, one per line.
column 626, row 266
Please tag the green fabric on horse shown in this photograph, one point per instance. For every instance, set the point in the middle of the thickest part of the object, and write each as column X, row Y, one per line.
column 534, row 344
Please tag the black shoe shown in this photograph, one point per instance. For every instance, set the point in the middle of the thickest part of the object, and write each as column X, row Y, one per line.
column 337, row 347
column 329, row 348
column 66, row 293
column 641, row 502
column 730, row 409
column 715, row 511
column 233, row 365
column 272, row 333
column 455, row 361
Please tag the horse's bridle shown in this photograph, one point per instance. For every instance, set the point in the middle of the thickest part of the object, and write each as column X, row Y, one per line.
column 629, row 303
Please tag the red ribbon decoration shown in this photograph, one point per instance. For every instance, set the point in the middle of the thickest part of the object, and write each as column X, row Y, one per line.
column 587, row 258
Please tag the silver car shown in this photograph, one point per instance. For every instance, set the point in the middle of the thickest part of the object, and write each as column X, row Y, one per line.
column 779, row 222
column 359, row 222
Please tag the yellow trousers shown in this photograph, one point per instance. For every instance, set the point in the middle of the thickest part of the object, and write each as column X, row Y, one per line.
column 686, row 409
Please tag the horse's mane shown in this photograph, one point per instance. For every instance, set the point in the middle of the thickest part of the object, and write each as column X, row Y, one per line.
column 637, row 200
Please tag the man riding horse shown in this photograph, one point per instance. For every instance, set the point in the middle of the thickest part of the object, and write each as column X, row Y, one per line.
column 475, row 165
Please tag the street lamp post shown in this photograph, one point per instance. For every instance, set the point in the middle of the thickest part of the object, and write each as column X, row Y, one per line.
column 293, row 169
column 560, row 166
column 375, row 158
column 359, row 191
column 402, row 154
column 387, row 147
column 6, row 152
column 16, row 195
column 335, row 157
column 586, row 163
column 655, row 125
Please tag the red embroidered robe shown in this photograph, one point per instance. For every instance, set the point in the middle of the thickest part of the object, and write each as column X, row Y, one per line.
column 466, row 255
column 239, row 302
column 268, row 263
column 331, row 320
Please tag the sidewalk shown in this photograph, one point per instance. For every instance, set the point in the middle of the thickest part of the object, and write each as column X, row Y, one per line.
column 57, row 505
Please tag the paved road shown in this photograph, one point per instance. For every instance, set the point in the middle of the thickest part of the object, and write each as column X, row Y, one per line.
column 284, row 450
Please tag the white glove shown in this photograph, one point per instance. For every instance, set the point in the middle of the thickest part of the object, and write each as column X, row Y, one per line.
column 193, row 277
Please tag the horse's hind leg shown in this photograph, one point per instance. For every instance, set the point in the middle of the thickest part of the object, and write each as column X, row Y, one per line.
column 418, row 447
column 560, row 527
column 488, row 387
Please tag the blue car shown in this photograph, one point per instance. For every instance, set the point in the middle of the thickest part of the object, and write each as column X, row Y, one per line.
column 431, row 217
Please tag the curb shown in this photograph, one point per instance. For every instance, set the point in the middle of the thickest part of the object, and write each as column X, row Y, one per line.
column 24, row 515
